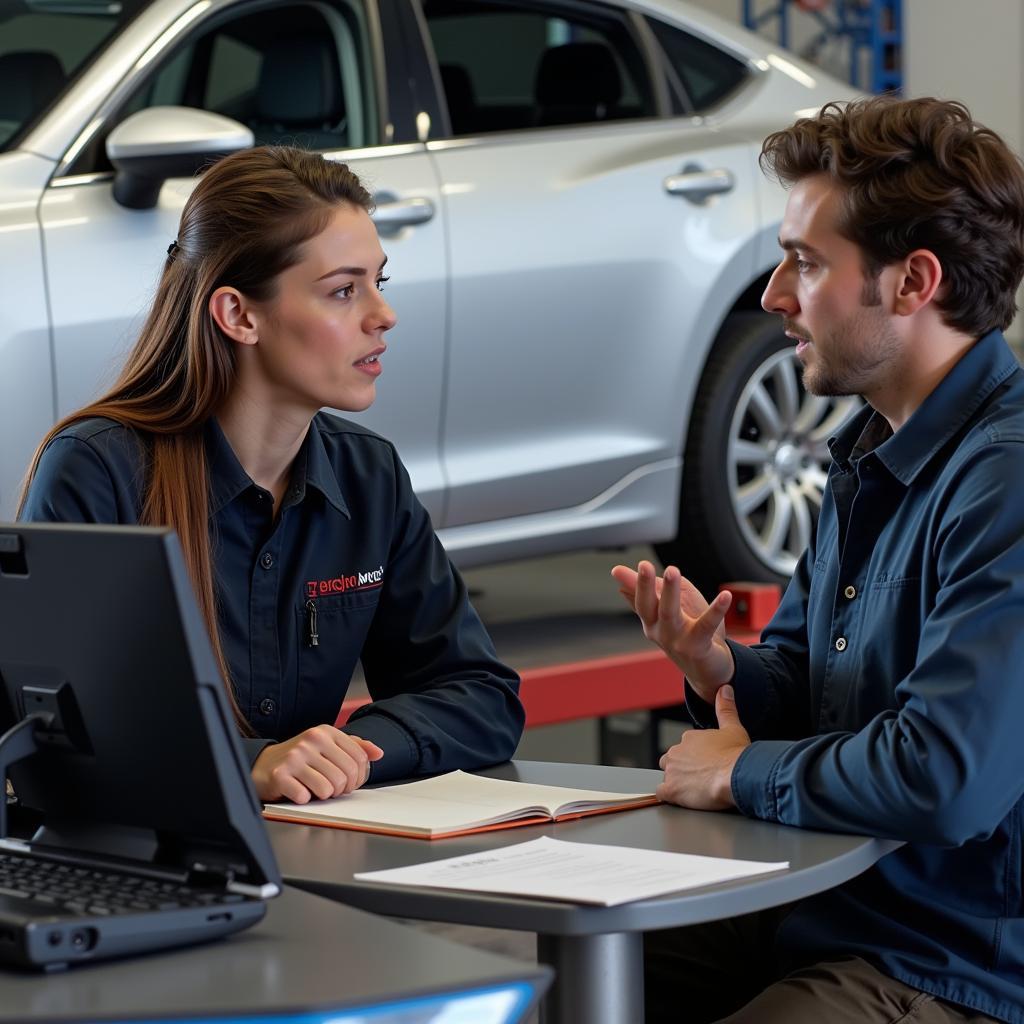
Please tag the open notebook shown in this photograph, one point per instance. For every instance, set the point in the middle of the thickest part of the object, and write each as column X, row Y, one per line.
column 453, row 805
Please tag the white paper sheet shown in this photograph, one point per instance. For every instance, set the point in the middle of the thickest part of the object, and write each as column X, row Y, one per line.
column 574, row 872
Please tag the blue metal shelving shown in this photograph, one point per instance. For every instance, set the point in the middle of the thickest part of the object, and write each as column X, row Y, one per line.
column 872, row 28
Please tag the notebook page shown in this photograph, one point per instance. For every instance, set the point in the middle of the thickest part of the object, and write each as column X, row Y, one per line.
column 447, row 802
column 505, row 793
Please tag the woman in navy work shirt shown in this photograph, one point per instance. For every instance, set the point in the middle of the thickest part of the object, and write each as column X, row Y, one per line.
column 307, row 548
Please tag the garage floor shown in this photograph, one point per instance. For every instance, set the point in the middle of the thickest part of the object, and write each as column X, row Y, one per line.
column 551, row 611
column 561, row 608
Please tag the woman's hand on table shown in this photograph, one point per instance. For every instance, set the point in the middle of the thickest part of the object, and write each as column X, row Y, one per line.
column 319, row 763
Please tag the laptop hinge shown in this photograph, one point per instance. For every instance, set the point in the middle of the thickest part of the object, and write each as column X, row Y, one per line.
column 210, row 876
column 19, row 742
column 217, row 877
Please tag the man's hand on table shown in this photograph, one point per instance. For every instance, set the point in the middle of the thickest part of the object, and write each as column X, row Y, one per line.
column 698, row 769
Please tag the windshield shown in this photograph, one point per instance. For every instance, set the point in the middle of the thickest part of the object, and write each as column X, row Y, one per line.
column 44, row 45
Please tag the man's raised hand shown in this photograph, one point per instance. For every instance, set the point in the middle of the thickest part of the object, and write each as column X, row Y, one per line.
column 675, row 616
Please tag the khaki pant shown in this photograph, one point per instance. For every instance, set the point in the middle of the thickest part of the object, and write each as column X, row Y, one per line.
column 724, row 971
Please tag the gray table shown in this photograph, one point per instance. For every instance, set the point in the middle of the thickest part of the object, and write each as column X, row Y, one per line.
column 308, row 956
column 596, row 951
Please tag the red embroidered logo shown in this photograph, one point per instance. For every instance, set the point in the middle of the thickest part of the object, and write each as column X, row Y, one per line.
column 340, row 584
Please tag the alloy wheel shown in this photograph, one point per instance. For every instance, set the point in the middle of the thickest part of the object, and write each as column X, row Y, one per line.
column 777, row 459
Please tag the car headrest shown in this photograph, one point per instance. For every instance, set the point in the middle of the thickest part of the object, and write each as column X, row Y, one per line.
column 299, row 83
column 458, row 91
column 577, row 75
column 29, row 79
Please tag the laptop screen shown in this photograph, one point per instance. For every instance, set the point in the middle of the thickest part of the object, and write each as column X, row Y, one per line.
column 101, row 638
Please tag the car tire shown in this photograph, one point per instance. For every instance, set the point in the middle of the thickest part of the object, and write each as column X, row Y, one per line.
column 756, row 460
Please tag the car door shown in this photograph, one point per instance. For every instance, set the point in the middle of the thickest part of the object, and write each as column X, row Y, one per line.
column 253, row 62
column 585, row 255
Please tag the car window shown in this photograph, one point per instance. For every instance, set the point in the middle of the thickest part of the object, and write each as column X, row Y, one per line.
column 295, row 74
column 505, row 66
column 701, row 75
column 43, row 45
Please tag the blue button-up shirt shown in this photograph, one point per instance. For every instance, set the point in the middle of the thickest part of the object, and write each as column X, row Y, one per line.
column 887, row 694
column 349, row 570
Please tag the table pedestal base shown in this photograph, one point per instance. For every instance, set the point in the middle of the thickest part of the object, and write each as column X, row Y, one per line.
column 598, row 978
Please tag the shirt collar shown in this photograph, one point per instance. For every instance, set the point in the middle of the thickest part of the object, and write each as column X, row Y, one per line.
column 958, row 396
column 227, row 478
column 319, row 471
column 312, row 468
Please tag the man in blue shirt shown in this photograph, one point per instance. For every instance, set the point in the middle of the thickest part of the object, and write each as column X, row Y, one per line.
column 887, row 694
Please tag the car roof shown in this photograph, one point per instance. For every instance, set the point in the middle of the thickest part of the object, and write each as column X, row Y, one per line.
column 156, row 26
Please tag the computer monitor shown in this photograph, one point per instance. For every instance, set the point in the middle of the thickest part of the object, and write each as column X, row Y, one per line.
column 137, row 757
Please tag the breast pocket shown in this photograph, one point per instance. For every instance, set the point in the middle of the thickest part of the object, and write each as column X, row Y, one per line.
column 893, row 581
column 898, row 600
column 892, row 619
column 331, row 631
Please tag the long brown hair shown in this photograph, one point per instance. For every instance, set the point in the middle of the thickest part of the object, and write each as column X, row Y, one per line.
column 245, row 223
column 920, row 174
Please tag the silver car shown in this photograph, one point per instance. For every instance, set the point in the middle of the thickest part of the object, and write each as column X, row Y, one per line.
column 577, row 227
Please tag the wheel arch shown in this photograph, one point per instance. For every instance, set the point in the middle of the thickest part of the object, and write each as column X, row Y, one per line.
column 746, row 298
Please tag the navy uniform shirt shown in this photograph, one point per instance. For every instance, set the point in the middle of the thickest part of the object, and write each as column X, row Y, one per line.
column 351, row 569
column 887, row 694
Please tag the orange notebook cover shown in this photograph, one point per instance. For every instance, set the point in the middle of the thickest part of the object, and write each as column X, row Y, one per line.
column 455, row 804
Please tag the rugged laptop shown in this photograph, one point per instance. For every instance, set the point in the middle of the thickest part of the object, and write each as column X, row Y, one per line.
column 130, row 822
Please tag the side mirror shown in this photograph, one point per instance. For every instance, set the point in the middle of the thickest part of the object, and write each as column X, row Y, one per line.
column 158, row 143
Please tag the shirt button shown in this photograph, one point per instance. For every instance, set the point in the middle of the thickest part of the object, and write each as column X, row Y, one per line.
column 267, row 706
column 841, row 644
column 267, row 561
column 850, row 592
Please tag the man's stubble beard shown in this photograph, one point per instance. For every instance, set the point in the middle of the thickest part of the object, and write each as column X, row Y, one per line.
column 858, row 350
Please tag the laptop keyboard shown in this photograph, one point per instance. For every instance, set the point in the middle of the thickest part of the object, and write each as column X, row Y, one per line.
column 64, row 888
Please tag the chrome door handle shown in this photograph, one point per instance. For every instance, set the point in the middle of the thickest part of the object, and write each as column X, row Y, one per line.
column 392, row 213
column 697, row 185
